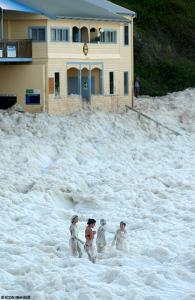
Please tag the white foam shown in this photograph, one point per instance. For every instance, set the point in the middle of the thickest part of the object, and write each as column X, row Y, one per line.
column 101, row 165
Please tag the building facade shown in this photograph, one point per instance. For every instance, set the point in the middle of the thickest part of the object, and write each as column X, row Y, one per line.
column 63, row 62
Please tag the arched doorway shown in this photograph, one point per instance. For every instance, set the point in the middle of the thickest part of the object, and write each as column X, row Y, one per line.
column 73, row 80
column 96, row 81
column 85, row 84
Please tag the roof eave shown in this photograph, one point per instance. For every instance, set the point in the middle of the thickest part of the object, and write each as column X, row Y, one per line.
column 121, row 20
column 131, row 14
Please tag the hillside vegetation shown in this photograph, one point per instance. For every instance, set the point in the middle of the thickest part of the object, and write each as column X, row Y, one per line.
column 164, row 44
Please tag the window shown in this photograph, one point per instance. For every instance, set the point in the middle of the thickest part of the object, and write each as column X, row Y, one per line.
column 32, row 99
column 59, row 34
column 75, row 34
column 108, row 36
column 111, row 79
column 94, row 38
column 126, row 83
column 126, row 34
column 37, row 34
column 57, row 83
column 84, row 35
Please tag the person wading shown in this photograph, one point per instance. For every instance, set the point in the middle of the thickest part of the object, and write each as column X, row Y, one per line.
column 89, row 235
column 75, row 242
column 101, row 238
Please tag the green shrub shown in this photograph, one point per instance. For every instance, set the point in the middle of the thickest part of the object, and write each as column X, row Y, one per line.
column 164, row 44
column 165, row 76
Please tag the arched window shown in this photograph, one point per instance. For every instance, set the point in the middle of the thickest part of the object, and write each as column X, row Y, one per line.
column 94, row 38
column 75, row 34
column 84, row 35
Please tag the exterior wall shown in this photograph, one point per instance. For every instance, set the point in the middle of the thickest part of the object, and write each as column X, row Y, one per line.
column 66, row 106
column 50, row 57
column 109, row 103
column 17, row 27
column 17, row 79
column 116, row 58
column 74, row 104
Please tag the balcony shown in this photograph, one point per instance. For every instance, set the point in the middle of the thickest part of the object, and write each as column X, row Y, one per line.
column 15, row 51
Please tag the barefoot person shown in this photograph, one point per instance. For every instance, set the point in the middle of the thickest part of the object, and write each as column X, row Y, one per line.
column 120, row 238
column 75, row 242
column 101, row 239
column 89, row 235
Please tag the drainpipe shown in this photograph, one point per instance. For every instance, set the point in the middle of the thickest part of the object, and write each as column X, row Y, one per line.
column 1, row 23
column 132, row 59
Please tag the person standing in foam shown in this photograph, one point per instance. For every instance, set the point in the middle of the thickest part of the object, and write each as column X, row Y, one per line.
column 101, row 239
column 120, row 238
column 89, row 235
column 75, row 242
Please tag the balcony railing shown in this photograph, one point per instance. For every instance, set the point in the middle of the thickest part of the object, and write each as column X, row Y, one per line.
column 15, row 50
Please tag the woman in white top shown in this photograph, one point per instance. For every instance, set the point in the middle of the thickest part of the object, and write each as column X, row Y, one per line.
column 75, row 242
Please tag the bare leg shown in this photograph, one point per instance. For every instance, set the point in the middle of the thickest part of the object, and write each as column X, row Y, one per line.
column 79, row 250
column 73, row 247
column 90, row 253
column 100, row 249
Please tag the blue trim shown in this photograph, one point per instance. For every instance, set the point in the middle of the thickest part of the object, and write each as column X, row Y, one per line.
column 16, row 6
column 15, row 59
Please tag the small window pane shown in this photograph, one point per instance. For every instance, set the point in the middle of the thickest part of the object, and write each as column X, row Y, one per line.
column 42, row 34
column 111, row 36
column 34, row 35
column 126, row 83
column 126, row 34
column 57, row 84
column 59, row 34
column 103, row 37
column 111, row 79
column 65, row 35
column 53, row 34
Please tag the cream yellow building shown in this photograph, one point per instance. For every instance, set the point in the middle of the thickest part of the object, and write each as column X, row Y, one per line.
column 59, row 56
